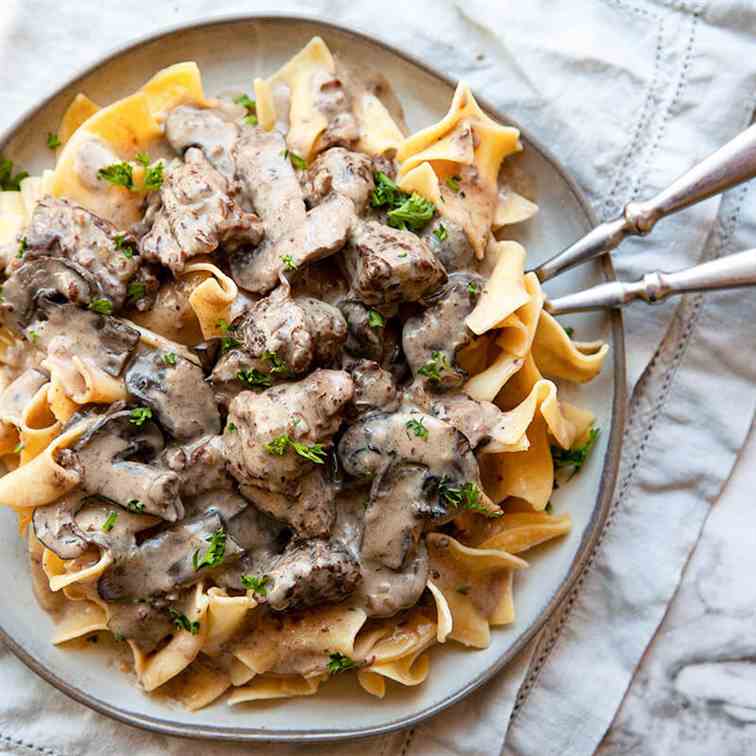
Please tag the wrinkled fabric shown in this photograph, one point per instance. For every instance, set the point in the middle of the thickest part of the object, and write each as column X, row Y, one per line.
column 627, row 94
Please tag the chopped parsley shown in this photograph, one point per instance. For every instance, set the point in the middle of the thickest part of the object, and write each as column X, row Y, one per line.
column 169, row 358
column 21, row 247
column 182, row 622
column 549, row 509
column 227, row 342
column 288, row 262
column 142, row 158
column 453, row 183
column 296, row 160
column 118, row 174
column 433, row 368
column 231, row 427
column 19, row 448
column 472, row 288
column 337, row 662
column 255, row 584
column 417, row 427
column 126, row 247
column 247, row 102
column 251, row 119
column 215, row 551
column 9, row 182
column 33, row 336
column 254, row 378
column 440, row 232
column 153, row 177
column 139, row 415
column 466, row 496
column 224, row 326
column 463, row 589
column 53, row 142
column 110, row 522
column 574, row 458
column 101, row 306
column 569, row 330
column 405, row 210
column 136, row 290
column 279, row 445
column 277, row 365
column 134, row 505
column 375, row 319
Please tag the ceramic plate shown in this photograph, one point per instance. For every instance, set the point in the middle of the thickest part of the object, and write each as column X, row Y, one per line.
column 230, row 53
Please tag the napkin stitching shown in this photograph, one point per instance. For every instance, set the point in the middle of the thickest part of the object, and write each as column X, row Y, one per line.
column 697, row 302
column 29, row 746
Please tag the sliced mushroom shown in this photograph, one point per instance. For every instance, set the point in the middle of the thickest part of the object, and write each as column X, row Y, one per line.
column 176, row 390
column 478, row 421
column 55, row 527
column 450, row 244
column 140, row 622
column 374, row 387
column 343, row 172
column 200, row 466
column 363, row 338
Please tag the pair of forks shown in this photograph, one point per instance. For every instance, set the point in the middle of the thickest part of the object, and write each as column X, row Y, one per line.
column 729, row 166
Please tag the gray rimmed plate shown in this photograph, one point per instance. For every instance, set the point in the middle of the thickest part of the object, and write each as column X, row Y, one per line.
column 230, row 53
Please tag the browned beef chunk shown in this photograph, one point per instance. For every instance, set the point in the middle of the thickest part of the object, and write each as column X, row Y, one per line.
column 343, row 172
column 454, row 251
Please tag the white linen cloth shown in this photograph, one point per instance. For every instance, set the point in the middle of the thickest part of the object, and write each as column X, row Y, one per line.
column 628, row 94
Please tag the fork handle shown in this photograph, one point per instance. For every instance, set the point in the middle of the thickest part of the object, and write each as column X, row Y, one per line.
column 727, row 167
column 731, row 272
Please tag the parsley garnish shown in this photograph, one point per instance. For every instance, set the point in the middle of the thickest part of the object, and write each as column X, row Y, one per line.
column 101, row 306
column 153, row 177
column 231, row 427
column 53, row 142
column 549, row 509
column 278, row 446
column 247, row 102
column 19, row 448
column 127, row 248
column 432, row 369
column 375, row 319
column 472, row 288
column 254, row 378
column 9, row 182
column 277, row 364
column 33, row 336
column 21, row 247
column 119, row 174
column 169, row 358
column 255, row 584
column 223, row 326
column 404, row 210
column 215, row 551
column 569, row 330
column 136, row 290
column 453, row 183
column 142, row 158
column 134, row 505
column 296, row 160
column 288, row 262
column 440, row 232
column 251, row 119
column 339, row 663
column 182, row 622
column 139, row 415
column 464, row 497
column 110, row 522
column 386, row 192
column 574, row 458
column 227, row 342
column 417, row 427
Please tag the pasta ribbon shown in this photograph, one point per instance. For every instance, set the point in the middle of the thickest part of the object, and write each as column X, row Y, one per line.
column 79, row 111
column 268, row 688
column 225, row 616
column 212, row 298
column 63, row 573
column 198, row 685
column 512, row 208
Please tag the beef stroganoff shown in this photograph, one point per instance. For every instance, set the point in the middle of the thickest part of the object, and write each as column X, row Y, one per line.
column 279, row 400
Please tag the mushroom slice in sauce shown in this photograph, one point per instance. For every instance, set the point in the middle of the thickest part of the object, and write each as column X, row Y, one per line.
column 432, row 339
column 60, row 228
column 177, row 391
column 476, row 420
column 196, row 215
column 55, row 527
column 449, row 244
column 343, row 172
column 143, row 623
column 287, row 335
column 165, row 562
column 310, row 511
column 200, row 465
column 386, row 265
column 374, row 387
column 363, row 339
column 109, row 459
column 307, row 412
column 333, row 99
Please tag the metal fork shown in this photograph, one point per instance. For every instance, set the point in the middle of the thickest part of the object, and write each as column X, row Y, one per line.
column 727, row 167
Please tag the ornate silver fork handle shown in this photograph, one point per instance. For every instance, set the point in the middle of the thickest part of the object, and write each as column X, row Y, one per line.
column 731, row 272
column 727, row 167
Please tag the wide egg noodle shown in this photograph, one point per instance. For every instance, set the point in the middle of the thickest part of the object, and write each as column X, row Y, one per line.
column 80, row 110
column 84, row 569
column 269, row 688
column 519, row 531
column 198, row 685
column 225, row 616
column 212, row 298
column 512, row 208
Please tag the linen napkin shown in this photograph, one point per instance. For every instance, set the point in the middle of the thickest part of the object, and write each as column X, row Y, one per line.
column 628, row 94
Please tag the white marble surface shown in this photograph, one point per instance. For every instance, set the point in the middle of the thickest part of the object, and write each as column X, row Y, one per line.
column 695, row 691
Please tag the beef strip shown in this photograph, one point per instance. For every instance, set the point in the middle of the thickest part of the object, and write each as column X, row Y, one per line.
column 374, row 387
column 196, row 215
column 386, row 265
column 454, row 251
column 200, row 465
column 343, row 172
column 333, row 100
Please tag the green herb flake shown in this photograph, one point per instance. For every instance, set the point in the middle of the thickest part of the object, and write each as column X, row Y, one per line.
column 18, row 448
column 223, row 326
column 255, row 584
column 215, row 551
column 375, row 319
column 228, row 343
column 417, row 427
column 53, row 142
column 142, row 158
column 231, row 427
column 119, row 637
column 278, row 445
column 440, row 232
column 251, row 120
column 153, row 177
column 453, row 183
column 433, row 368
column 110, row 522
column 254, row 378
column 466, row 496
column 134, row 505
column 297, row 161
column 139, row 416
column 315, row 453
column 570, row 331
column 126, row 247
column 574, row 458
column 337, row 662
column 22, row 245
column 472, row 288
column 9, row 182
column 414, row 213
column 463, row 589
column 169, row 358
column 386, row 192
column 549, row 509
column 101, row 306
column 247, row 102
column 288, row 262
column 136, row 290
column 277, row 365
column 182, row 622
column 33, row 336
column 118, row 174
